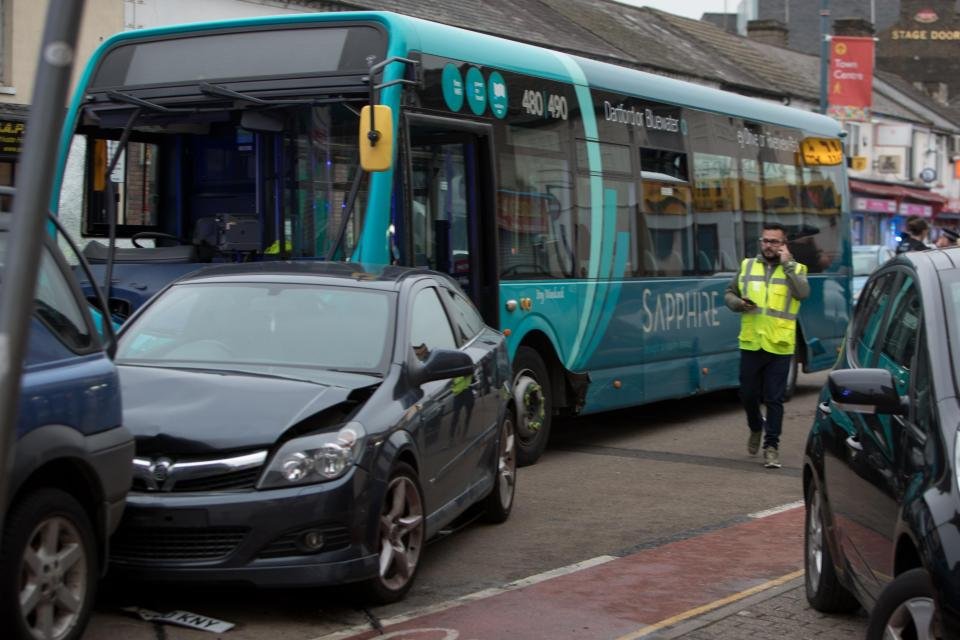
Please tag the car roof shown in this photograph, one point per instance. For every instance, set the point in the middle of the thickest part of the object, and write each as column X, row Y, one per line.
column 931, row 260
column 385, row 277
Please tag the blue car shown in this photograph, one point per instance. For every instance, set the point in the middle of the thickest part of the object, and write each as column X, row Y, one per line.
column 71, row 468
column 309, row 424
column 882, row 474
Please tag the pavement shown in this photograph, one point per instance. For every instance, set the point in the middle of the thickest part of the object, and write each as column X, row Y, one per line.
column 744, row 580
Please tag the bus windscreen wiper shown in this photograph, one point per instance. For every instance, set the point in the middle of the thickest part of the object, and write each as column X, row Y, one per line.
column 120, row 96
column 111, row 199
column 350, row 203
column 222, row 92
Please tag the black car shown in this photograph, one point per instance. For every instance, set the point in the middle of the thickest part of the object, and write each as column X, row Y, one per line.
column 309, row 424
column 881, row 469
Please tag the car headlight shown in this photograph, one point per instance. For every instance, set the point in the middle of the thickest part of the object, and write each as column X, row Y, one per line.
column 315, row 458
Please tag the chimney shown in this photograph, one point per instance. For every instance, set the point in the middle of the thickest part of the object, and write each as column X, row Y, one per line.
column 853, row 27
column 768, row 32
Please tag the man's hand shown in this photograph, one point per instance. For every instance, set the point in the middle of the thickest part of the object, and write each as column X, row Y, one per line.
column 748, row 304
column 785, row 255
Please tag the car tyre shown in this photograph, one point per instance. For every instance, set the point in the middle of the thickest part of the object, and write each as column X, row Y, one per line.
column 531, row 389
column 824, row 591
column 48, row 567
column 401, row 530
column 499, row 503
column 907, row 608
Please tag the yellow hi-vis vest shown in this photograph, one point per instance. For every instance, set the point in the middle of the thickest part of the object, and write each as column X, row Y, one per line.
column 773, row 326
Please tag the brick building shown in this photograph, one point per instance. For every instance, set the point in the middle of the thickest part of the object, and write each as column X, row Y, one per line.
column 802, row 17
column 924, row 46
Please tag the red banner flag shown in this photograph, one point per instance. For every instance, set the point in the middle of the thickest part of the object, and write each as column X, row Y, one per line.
column 850, row 83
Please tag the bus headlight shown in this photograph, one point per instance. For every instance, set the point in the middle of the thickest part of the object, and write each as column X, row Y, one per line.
column 314, row 458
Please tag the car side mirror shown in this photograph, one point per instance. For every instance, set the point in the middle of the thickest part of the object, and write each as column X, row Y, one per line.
column 869, row 391
column 441, row 364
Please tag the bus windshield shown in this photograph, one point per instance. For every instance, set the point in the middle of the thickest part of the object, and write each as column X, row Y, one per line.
column 221, row 183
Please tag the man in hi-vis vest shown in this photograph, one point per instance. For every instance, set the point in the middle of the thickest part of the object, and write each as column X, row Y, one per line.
column 767, row 291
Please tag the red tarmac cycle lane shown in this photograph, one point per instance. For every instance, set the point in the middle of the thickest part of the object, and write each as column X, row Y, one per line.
column 629, row 596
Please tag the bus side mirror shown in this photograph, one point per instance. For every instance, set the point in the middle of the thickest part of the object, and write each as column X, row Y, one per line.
column 376, row 138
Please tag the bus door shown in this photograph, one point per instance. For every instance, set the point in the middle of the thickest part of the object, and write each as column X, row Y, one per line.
column 451, row 219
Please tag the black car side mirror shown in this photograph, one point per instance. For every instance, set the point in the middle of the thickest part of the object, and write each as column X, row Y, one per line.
column 441, row 364
column 870, row 391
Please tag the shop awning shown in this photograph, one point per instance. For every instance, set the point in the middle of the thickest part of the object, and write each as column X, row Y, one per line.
column 897, row 191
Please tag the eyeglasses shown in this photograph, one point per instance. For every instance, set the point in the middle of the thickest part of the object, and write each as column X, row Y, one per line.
column 771, row 241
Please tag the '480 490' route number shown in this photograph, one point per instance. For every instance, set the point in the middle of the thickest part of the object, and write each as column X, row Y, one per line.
column 534, row 103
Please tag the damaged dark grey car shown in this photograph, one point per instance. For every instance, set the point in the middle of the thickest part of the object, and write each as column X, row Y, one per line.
column 309, row 424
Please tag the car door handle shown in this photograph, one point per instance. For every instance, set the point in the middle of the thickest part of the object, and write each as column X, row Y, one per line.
column 824, row 407
column 854, row 444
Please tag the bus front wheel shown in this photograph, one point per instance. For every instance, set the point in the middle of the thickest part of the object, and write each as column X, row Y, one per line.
column 531, row 389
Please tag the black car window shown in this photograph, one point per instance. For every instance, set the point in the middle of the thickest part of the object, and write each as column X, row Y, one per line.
column 924, row 415
column 870, row 312
column 57, row 306
column 899, row 340
column 466, row 321
column 429, row 325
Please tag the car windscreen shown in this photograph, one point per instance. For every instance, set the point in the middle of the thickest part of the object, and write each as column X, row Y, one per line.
column 269, row 328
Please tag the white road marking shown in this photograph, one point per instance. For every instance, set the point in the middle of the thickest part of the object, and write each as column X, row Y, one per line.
column 775, row 510
column 471, row 597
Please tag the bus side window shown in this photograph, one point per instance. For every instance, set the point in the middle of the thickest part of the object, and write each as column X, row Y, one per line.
column 619, row 198
column 536, row 232
column 666, row 199
column 716, row 200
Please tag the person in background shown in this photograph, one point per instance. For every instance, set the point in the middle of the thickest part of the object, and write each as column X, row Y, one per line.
column 916, row 235
column 804, row 248
column 947, row 238
column 767, row 292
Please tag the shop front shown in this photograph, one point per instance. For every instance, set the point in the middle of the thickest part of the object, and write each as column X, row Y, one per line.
column 879, row 211
column 12, row 129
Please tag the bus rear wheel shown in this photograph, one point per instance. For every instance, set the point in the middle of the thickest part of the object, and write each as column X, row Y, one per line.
column 531, row 388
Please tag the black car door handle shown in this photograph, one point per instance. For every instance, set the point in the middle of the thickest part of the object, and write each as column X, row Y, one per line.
column 854, row 444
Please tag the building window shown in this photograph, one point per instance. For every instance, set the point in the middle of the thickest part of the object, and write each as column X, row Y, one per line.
column 853, row 138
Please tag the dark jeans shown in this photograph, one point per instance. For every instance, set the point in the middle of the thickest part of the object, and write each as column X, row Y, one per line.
column 763, row 379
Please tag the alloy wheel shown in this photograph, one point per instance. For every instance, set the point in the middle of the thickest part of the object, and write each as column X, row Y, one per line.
column 507, row 463
column 401, row 533
column 815, row 540
column 914, row 618
column 53, row 579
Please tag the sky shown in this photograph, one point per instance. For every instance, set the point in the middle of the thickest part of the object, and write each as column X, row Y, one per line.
column 688, row 8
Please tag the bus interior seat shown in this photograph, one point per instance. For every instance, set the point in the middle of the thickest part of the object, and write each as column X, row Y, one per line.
column 205, row 232
column 727, row 263
column 649, row 263
column 98, row 253
column 705, row 264
column 672, row 264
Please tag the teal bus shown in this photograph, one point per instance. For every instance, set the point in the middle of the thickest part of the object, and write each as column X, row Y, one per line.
column 593, row 213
